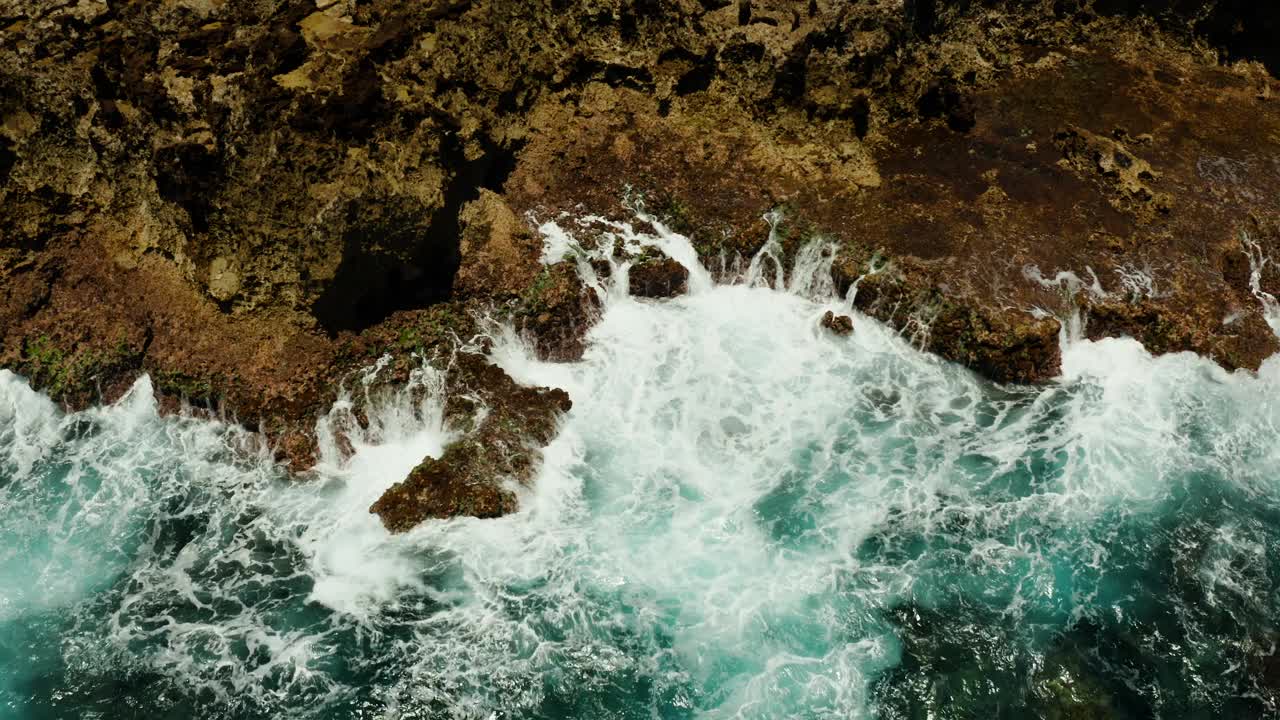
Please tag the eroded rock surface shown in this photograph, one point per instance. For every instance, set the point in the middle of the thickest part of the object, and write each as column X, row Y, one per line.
column 250, row 200
column 504, row 426
column 837, row 324
column 657, row 278
column 1092, row 176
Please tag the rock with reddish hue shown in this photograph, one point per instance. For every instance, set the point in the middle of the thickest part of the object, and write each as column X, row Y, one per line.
column 500, row 257
column 504, row 428
column 837, row 324
column 658, row 278
column 556, row 310
column 297, row 448
column 462, row 482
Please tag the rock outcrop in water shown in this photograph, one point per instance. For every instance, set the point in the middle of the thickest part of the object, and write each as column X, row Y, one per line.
column 248, row 200
column 837, row 324
column 504, row 425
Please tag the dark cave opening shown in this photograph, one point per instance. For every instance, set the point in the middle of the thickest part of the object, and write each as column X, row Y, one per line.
column 1239, row 29
column 944, row 101
column 372, row 282
column 188, row 175
column 8, row 158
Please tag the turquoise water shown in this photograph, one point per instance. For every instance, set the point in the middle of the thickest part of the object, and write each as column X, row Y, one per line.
column 743, row 517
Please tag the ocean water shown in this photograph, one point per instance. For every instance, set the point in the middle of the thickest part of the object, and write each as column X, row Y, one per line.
column 742, row 517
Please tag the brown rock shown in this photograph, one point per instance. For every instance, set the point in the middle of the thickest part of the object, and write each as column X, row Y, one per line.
column 476, row 475
column 658, row 278
column 500, row 255
column 461, row 482
column 837, row 324
column 1059, row 171
column 556, row 310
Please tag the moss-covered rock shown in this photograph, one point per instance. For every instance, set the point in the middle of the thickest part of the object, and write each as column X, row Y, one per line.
column 556, row 309
column 76, row 374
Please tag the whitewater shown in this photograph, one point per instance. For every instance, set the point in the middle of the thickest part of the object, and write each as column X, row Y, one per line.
column 743, row 516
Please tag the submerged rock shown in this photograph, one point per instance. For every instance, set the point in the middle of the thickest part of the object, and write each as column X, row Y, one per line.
column 1064, row 689
column 504, row 428
column 966, row 662
column 951, row 667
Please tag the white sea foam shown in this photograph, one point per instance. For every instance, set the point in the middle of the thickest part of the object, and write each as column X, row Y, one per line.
column 735, row 501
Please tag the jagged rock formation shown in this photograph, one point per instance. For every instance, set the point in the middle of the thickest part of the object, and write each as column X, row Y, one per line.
column 248, row 199
column 984, row 166
column 837, row 324
column 503, row 424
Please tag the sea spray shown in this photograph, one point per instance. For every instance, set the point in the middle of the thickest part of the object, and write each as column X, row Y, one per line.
column 743, row 516
column 1258, row 262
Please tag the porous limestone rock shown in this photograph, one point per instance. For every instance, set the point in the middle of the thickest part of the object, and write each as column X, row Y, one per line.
column 503, row 424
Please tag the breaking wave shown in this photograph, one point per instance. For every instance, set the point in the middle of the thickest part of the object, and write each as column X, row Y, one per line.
column 744, row 516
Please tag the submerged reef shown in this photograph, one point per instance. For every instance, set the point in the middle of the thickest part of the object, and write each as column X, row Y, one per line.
column 250, row 201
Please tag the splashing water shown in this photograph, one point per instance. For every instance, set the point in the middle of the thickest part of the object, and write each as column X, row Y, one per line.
column 743, row 517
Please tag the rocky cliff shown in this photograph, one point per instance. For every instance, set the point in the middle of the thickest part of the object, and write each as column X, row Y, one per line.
column 248, row 199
